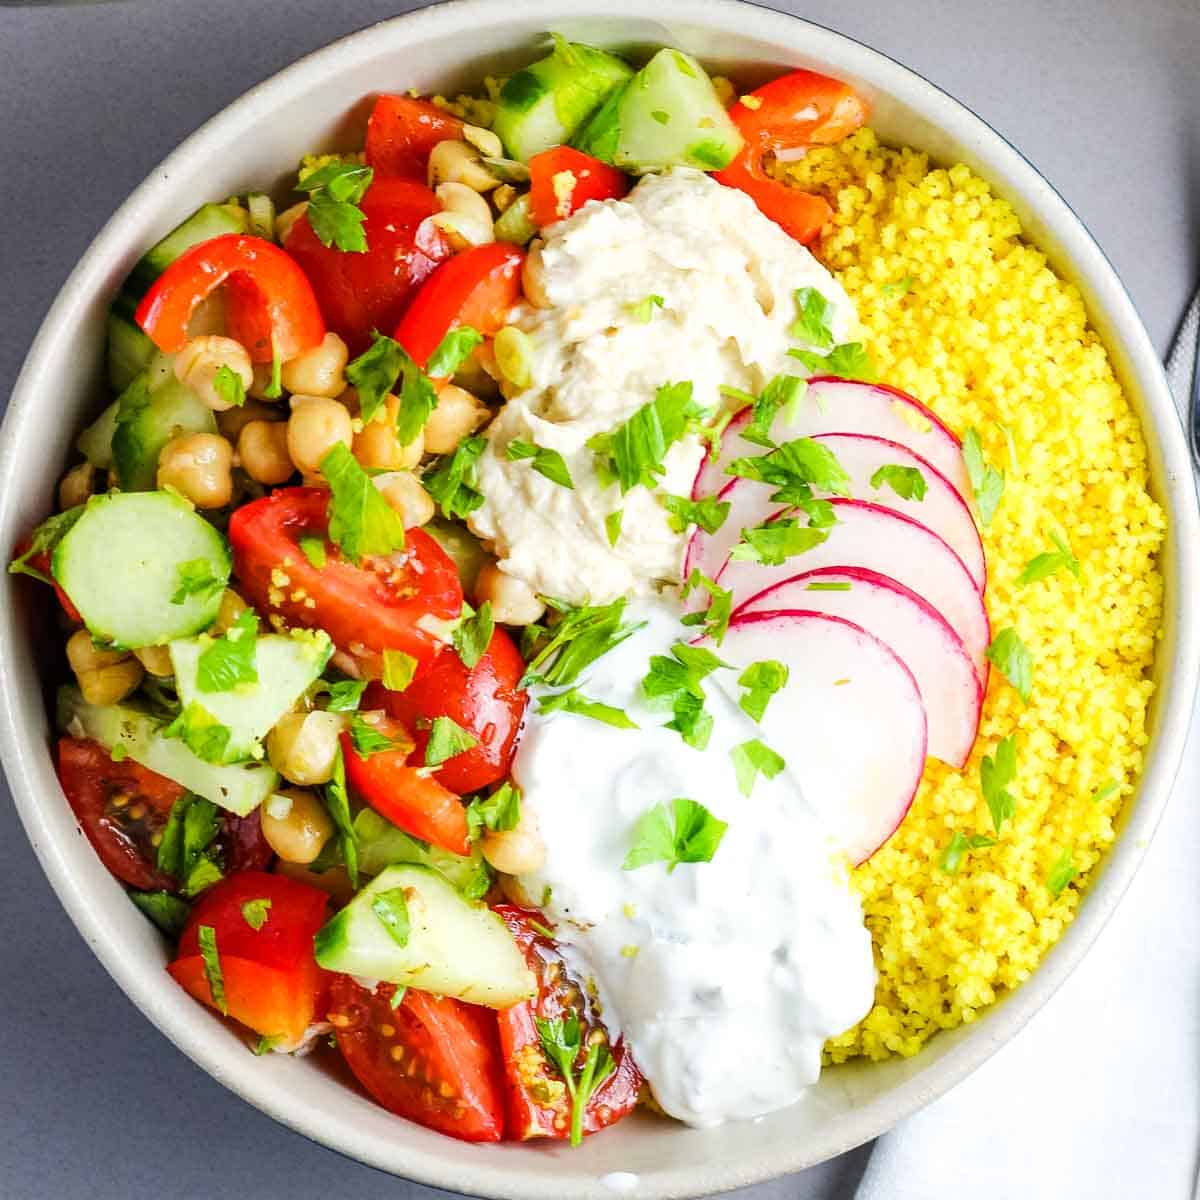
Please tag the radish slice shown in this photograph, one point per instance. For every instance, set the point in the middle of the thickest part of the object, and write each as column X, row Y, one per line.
column 889, row 543
column 748, row 506
column 850, row 721
column 912, row 628
column 842, row 406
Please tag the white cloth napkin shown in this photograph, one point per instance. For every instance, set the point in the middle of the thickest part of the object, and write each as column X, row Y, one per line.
column 1098, row 1097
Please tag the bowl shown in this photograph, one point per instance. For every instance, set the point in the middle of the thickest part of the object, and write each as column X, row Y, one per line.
column 317, row 102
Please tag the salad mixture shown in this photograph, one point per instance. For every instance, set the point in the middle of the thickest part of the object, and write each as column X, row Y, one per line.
column 506, row 607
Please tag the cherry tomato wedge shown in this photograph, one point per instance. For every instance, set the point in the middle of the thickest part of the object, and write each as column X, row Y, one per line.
column 366, row 609
column 485, row 701
column 271, row 979
column 401, row 132
column 360, row 292
column 478, row 288
column 41, row 562
column 537, row 1101
column 418, row 804
column 121, row 806
column 245, row 848
column 430, row 1059
column 282, row 292
column 792, row 112
column 562, row 180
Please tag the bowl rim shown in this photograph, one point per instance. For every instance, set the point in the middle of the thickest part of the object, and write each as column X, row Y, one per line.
column 22, row 754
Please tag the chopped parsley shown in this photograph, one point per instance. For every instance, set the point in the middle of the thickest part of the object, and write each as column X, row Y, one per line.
column 574, row 701
column 907, row 482
column 898, row 287
column 684, row 833
column 848, row 360
column 828, row 586
column 643, row 310
column 227, row 383
column 186, row 849
column 561, row 1040
column 612, row 525
column 452, row 485
column 274, row 388
column 474, row 635
column 206, row 935
column 446, row 740
column 782, row 394
column 417, row 400
column 995, row 775
column 1013, row 660
column 398, row 670
column 1063, row 871
column 345, row 695
column 229, row 660
column 361, row 522
column 313, row 548
column 579, row 637
column 391, row 907
column 254, row 913
column 337, row 803
column 812, row 323
column 334, row 192
column 958, row 847
column 774, row 542
column 374, row 372
column 1042, row 566
column 452, row 351
column 708, row 512
column 794, row 469
column 986, row 481
column 754, row 758
column 197, row 578
column 633, row 453
column 43, row 541
column 715, row 618
column 497, row 813
column 367, row 739
column 548, row 463
column 168, row 912
column 1110, row 788
column 675, row 683
column 761, row 681
column 200, row 732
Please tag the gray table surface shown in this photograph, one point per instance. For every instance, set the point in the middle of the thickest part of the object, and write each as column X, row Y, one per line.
column 1102, row 96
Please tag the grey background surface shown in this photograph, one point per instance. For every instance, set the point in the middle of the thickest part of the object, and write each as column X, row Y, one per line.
column 1103, row 96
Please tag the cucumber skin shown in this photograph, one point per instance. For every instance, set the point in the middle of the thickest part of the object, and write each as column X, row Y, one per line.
column 147, row 419
column 95, row 442
column 208, row 221
column 129, row 351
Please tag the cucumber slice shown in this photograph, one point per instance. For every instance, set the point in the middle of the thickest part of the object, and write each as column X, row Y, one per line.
column 454, row 947
column 543, row 105
column 95, row 442
column 262, row 215
column 668, row 115
column 515, row 223
column 151, row 411
column 120, row 564
column 128, row 729
column 208, row 221
column 129, row 350
column 381, row 845
column 287, row 665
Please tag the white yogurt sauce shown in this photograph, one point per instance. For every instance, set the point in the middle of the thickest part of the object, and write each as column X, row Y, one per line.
column 726, row 977
column 727, row 277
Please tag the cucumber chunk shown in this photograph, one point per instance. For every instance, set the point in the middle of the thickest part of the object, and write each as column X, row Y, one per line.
column 287, row 664
column 148, row 417
column 127, row 729
column 515, row 223
column 95, row 442
column 381, row 844
column 543, row 105
column 208, row 221
column 120, row 564
column 453, row 948
column 668, row 115
column 129, row 350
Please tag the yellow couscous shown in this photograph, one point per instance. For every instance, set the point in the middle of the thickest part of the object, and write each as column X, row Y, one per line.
column 959, row 310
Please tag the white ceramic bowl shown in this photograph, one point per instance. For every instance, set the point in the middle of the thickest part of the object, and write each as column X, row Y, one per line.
column 259, row 139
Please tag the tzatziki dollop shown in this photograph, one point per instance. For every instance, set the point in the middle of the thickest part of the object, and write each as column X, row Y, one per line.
column 727, row 976
column 683, row 280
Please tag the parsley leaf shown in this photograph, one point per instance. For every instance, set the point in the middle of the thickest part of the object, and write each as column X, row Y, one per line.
column 228, row 384
column 1105, row 790
column 499, row 812
column 337, row 803
column 898, row 287
column 675, row 683
column 168, row 912
column 446, row 740
column 784, row 392
column 685, row 833
column 812, row 325
column 774, row 542
column 200, row 732
column 561, row 1040
column 274, row 388
column 197, row 578
column 708, row 512
column 398, row 670
column 1042, row 566
column 334, row 192
column 643, row 310
column 417, row 397
column 254, row 913
column 612, row 525
column 229, row 660
column 391, row 907
column 313, row 548
column 958, row 846
column 574, row 701
column 452, row 485
column 345, row 695
column 43, row 541
column 452, row 351
column 907, row 482
column 580, row 636
column 633, row 453
column 474, row 635
column 828, row 586
column 545, row 462
column 367, row 739
column 795, row 468
column 361, row 521
column 849, row 360
column 1014, row 661
column 374, row 372
column 986, row 481
column 715, row 618
column 995, row 775
column 1063, row 871
column 761, row 680
column 206, row 935
column 751, row 759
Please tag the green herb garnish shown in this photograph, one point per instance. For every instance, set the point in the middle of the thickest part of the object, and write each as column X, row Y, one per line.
column 333, row 213
column 958, row 847
column 313, row 549
column 579, row 637
column 548, row 463
column 561, row 1042
column 849, row 360
column 452, row 484
column 44, row 539
column 754, row 758
column 995, row 775
column 708, row 512
column 498, row 813
column 229, row 661
column 812, row 325
column 761, row 681
column 715, row 618
column 391, row 907
column 197, row 578
column 168, row 912
column 254, row 913
column 361, row 522
column 684, row 833
column 398, row 670
column 474, row 635
column 907, row 482
column 227, row 383
column 1063, row 871
column 774, row 542
column 446, row 740
column 643, row 310
column 574, row 701
column 986, row 481
column 1042, row 566
column 206, row 935
column 1012, row 658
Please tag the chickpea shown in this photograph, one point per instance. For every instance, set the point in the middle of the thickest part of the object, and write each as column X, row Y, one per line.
column 504, row 196
column 465, row 219
column 262, row 447
column 296, row 830
column 516, row 851
column 457, row 415
column 484, row 140
column 263, row 373
column 335, row 881
column 302, row 746
column 319, row 372
column 456, row 162
column 316, row 425
column 232, row 607
column 156, row 660
column 231, row 422
column 513, row 601
column 533, row 277
column 110, row 685
column 84, row 655
column 199, row 466
column 404, row 492
column 286, row 219
column 75, row 487
column 198, row 363
column 377, row 446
